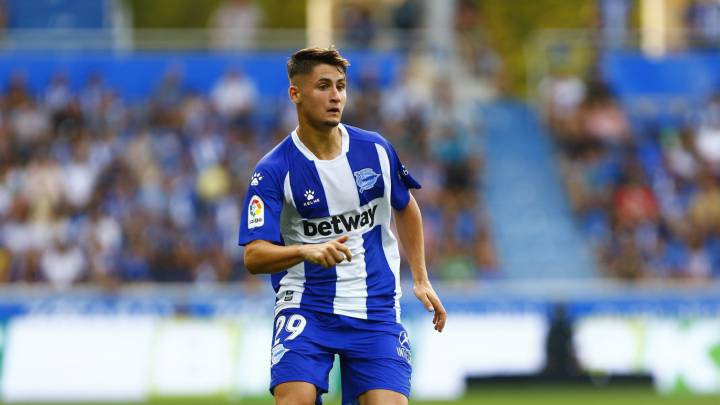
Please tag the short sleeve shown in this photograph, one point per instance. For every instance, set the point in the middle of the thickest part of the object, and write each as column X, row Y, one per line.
column 262, row 208
column 401, row 181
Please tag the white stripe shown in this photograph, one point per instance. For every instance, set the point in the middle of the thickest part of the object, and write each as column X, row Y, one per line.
column 390, row 246
column 342, row 198
column 338, row 182
column 289, row 228
column 351, row 287
column 288, row 191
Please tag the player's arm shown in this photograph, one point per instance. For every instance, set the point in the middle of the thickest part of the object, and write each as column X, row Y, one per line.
column 410, row 233
column 263, row 257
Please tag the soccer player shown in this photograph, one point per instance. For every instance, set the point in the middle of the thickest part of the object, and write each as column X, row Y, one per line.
column 317, row 218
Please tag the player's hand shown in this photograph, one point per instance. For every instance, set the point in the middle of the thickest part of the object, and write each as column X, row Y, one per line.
column 430, row 300
column 327, row 254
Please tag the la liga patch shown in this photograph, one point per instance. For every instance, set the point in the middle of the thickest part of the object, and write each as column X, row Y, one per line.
column 256, row 212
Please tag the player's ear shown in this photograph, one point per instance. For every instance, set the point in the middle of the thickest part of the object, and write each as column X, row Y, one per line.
column 294, row 93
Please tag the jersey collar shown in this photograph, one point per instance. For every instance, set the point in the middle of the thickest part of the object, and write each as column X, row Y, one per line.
column 344, row 145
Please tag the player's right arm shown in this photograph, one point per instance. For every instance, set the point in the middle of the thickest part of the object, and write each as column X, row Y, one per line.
column 265, row 250
column 263, row 257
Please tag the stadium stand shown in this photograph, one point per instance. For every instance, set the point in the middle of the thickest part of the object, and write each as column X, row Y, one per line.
column 640, row 164
column 127, row 183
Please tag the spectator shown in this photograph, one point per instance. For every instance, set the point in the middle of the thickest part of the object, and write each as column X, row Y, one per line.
column 234, row 97
column 102, row 240
column 704, row 209
column 58, row 95
column 165, row 100
column 5, row 262
column 29, row 125
column 681, row 157
column 633, row 201
column 17, row 92
column 358, row 25
column 235, row 24
column 561, row 95
column 703, row 21
column 407, row 17
column 603, row 121
column 63, row 264
column 699, row 262
column 623, row 257
column 92, row 95
column 43, row 181
column 79, row 175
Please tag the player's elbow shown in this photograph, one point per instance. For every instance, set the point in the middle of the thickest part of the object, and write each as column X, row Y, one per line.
column 251, row 268
column 250, row 259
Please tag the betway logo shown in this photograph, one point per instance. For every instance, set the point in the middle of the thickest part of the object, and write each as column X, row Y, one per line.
column 340, row 223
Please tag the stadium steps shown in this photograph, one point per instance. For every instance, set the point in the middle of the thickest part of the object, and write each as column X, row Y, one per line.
column 533, row 229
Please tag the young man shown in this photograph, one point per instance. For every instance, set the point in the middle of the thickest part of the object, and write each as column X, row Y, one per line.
column 317, row 217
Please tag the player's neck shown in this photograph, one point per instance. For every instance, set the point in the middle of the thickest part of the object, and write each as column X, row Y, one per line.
column 324, row 144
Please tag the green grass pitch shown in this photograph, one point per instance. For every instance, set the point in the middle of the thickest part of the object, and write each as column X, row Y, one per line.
column 519, row 395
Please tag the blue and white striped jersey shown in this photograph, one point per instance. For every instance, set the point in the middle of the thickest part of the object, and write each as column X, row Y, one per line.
column 295, row 198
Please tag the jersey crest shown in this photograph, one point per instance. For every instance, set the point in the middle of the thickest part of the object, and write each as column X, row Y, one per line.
column 366, row 178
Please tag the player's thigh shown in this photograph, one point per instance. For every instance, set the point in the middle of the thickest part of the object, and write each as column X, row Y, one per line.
column 295, row 393
column 298, row 353
column 377, row 360
column 382, row 397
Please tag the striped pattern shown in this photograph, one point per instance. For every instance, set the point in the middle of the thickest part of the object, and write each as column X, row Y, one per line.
column 324, row 199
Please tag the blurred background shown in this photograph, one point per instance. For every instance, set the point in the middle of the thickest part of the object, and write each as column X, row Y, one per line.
column 569, row 153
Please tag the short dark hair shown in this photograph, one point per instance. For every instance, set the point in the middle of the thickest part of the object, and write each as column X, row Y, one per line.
column 304, row 60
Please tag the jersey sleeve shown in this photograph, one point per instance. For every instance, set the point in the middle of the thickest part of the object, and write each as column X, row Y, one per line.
column 262, row 208
column 401, row 181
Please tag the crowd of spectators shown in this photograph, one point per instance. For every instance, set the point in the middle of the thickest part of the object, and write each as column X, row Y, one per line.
column 97, row 189
column 702, row 22
column 236, row 24
column 363, row 24
column 646, row 196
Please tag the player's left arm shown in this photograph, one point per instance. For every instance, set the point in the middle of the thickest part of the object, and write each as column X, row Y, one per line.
column 410, row 233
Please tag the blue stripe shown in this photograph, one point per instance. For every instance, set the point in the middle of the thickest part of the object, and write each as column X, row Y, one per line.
column 307, row 190
column 363, row 158
column 320, row 283
column 380, row 278
column 275, row 279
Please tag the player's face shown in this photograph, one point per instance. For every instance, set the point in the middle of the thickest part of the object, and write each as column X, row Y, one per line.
column 320, row 96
